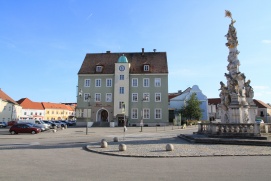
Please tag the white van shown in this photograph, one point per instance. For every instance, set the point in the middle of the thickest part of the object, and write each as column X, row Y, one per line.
column 37, row 122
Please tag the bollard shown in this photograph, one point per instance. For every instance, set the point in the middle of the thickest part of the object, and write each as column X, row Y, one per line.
column 122, row 147
column 169, row 147
column 104, row 144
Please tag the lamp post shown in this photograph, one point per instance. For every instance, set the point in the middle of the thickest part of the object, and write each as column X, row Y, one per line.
column 88, row 100
column 124, row 122
column 142, row 113
column 86, row 97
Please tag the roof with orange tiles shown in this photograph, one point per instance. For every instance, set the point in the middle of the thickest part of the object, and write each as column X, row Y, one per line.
column 261, row 104
column 70, row 107
column 157, row 62
column 49, row 105
column 28, row 104
column 5, row 97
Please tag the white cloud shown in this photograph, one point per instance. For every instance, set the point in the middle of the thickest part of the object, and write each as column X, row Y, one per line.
column 266, row 41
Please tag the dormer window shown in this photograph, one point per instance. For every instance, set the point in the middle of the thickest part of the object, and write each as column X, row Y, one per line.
column 99, row 68
column 146, row 68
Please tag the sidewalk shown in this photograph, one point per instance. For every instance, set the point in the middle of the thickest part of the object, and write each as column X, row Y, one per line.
column 153, row 144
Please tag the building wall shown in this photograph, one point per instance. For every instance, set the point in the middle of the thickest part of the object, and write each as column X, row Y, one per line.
column 151, row 104
column 179, row 101
column 32, row 114
column 9, row 111
column 56, row 114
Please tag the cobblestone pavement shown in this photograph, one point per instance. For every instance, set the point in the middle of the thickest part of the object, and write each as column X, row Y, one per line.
column 154, row 145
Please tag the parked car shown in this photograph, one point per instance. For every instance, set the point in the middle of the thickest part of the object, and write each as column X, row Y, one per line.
column 52, row 124
column 63, row 124
column 3, row 124
column 11, row 123
column 24, row 128
column 71, row 123
column 36, row 122
column 40, row 126
column 259, row 121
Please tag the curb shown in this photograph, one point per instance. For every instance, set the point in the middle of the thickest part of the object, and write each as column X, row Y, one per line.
column 87, row 148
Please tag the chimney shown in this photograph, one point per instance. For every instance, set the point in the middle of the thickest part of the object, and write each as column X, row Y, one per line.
column 142, row 51
column 154, row 50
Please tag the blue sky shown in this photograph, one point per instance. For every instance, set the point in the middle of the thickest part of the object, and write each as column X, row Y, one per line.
column 43, row 43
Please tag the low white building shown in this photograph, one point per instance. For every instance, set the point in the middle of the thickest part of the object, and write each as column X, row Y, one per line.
column 179, row 101
column 9, row 109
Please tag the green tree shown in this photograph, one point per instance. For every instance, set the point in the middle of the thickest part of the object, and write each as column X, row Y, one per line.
column 191, row 109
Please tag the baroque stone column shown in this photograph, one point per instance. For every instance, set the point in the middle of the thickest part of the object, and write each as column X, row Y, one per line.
column 236, row 95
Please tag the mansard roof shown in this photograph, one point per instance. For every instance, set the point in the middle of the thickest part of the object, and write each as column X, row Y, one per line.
column 156, row 60
column 6, row 97
column 28, row 104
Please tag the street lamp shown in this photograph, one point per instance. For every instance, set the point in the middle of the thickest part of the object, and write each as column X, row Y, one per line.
column 145, row 98
column 86, row 97
column 124, row 122
column 88, row 100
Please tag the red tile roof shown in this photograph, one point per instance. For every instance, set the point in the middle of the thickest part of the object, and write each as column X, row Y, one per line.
column 5, row 97
column 156, row 60
column 28, row 104
column 48, row 105
column 261, row 104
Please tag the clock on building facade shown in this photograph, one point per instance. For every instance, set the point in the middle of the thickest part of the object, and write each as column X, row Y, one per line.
column 121, row 68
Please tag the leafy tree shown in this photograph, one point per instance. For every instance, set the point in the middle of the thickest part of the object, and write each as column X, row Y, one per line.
column 191, row 110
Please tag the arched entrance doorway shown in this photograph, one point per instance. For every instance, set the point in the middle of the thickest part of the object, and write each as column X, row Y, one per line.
column 102, row 115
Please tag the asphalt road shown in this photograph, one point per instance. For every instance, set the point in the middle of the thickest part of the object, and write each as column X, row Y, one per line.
column 61, row 156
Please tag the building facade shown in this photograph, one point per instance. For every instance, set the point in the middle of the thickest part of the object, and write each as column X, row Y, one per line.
column 177, row 102
column 10, row 110
column 31, row 110
column 125, row 88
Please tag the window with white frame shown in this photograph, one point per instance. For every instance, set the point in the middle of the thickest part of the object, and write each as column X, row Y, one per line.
column 98, row 82
column 158, row 113
column 146, row 82
column 157, row 82
column 108, row 82
column 121, row 90
column 146, row 97
column 146, row 68
column 121, row 77
column 157, row 97
column 108, row 97
column 86, row 97
column 97, row 97
column 134, row 97
column 134, row 113
column 146, row 113
column 134, row 82
column 87, row 82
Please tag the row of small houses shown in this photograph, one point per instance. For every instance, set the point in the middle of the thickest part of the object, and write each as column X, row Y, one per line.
column 11, row 110
column 24, row 108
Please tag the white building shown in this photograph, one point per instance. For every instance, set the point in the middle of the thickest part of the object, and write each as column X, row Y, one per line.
column 179, row 101
column 9, row 109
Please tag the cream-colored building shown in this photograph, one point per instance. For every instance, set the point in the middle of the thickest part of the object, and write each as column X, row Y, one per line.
column 56, row 111
column 10, row 110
